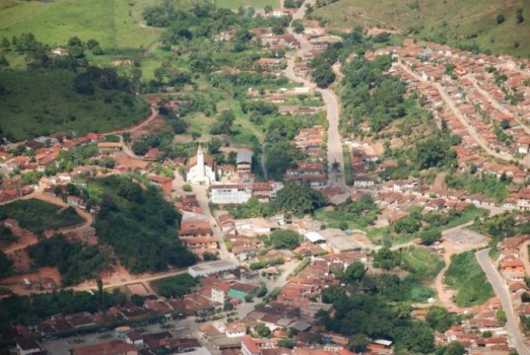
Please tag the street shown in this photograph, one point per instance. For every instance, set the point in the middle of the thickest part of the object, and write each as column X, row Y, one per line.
column 501, row 290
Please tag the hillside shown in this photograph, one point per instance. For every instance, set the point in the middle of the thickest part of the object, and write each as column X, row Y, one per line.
column 470, row 23
column 112, row 22
column 34, row 103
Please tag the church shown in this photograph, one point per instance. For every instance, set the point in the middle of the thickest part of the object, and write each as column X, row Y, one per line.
column 201, row 169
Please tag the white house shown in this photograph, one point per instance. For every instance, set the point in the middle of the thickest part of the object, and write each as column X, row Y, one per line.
column 218, row 295
column 134, row 338
column 201, row 169
column 28, row 346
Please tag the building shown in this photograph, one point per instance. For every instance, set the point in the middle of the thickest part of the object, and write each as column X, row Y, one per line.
column 241, row 291
column 28, row 346
column 249, row 346
column 212, row 267
column 230, row 194
column 244, row 162
column 201, row 169
column 109, row 146
column 117, row 347
column 315, row 238
column 195, row 229
column 163, row 182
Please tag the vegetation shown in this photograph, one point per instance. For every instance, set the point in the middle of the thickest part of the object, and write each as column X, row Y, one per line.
column 38, row 216
column 61, row 98
column 488, row 184
column 350, row 214
column 465, row 275
column 76, row 262
column 501, row 226
column 286, row 239
column 472, row 25
column 30, row 310
column 6, row 236
column 147, row 236
column 6, row 265
column 174, row 286
column 293, row 198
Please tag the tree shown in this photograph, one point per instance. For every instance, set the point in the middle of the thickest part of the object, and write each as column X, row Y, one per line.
column 214, row 146
column 358, row 343
column 454, row 348
column 263, row 331
column 91, row 43
column 210, row 256
column 286, row 343
column 439, row 318
column 285, row 239
column 268, row 9
column 519, row 18
column 6, row 265
column 3, row 61
column 97, row 50
column 186, row 188
column 298, row 27
column 505, row 124
column 140, row 147
column 500, row 19
column 354, row 272
column 224, row 122
column 5, row 43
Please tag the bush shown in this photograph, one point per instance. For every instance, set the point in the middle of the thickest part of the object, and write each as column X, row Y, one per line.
column 187, row 188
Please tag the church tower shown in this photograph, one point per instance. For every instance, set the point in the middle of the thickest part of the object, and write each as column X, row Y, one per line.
column 201, row 176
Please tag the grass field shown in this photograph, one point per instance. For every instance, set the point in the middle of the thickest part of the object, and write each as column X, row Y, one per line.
column 425, row 262
column 257, row 4
column 456, row 22
column 38, row 103
column 465, row 275
column 111, row 22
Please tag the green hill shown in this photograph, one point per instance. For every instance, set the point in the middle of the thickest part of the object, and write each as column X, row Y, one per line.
column 34, row 103
column 464, row 23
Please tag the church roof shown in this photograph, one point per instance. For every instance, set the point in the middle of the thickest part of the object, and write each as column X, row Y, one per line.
column 208, row 161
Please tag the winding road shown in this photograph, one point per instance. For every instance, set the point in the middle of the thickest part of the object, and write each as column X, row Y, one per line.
column 501, row 290
column 334, row 143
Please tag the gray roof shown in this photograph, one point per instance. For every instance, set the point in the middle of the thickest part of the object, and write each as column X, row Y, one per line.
column 244, row 157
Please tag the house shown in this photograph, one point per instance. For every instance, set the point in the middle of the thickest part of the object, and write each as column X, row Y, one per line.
column 109, row 146
column 152, row 154
column 244, row 161
column 249, row 346
column 134, row 338
column 219, row 292
column 363, row 181
column 116, row 347
column 235, row 330
column 195, row 229
column 28, row 346
column 165, row 183
column 75, row 201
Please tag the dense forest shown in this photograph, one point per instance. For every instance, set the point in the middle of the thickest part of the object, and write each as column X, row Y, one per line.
column 139, row 224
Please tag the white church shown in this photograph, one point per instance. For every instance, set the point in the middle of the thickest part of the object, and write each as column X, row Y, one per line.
column 201, row 169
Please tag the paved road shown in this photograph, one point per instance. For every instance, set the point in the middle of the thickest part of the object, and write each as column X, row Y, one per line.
column 201, row 192
column 246, row 308
column 501, row 290
column 336, row 178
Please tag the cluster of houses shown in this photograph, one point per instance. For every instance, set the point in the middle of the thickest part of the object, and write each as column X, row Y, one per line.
column 480, row 333
column 463, row 90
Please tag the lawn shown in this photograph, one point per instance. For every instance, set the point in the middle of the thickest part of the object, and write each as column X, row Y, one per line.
column 41, row 103
column 38, row 216
column 424, row 262
column 257, row 4
column 472, row 22
column 111, row 22
column 466, row 276
column 174, row 286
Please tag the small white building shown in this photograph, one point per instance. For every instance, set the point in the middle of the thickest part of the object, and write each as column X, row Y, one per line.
column 28, row 346
column 218, row 295
column 230, row 194
column 211, row 267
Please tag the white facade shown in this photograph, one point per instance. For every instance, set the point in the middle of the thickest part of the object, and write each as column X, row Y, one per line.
column 218, row 295
column 201, row 173
column 230, row 194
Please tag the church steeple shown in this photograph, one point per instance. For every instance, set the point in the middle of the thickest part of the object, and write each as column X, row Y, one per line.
column 200, row 161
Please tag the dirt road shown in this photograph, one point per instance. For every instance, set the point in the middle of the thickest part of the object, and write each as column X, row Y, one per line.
column 152, row 116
